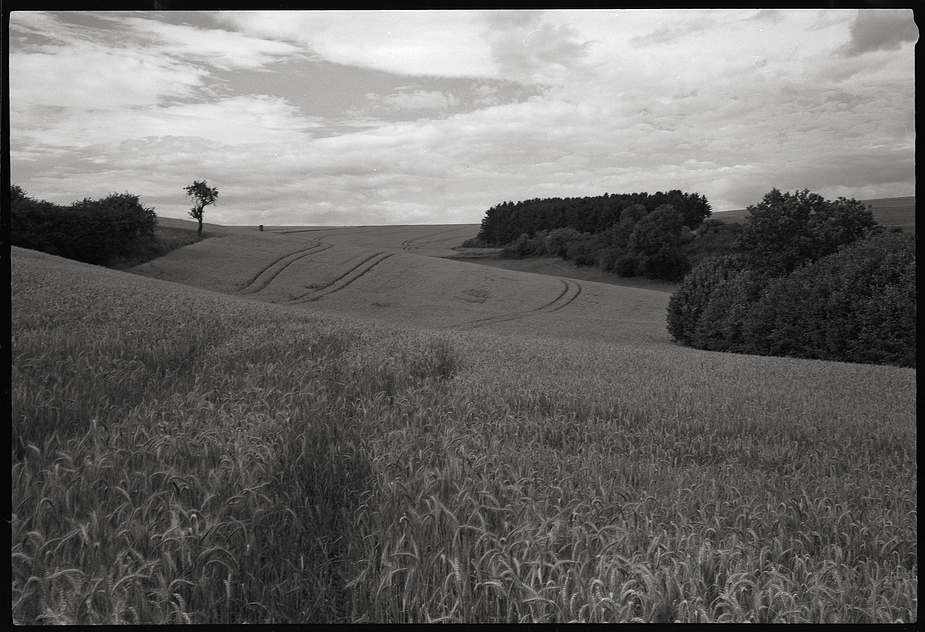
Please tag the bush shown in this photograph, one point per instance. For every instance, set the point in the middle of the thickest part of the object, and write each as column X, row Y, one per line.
column 558, row 240
column 714, row 238
column 665, row 266
column 688, row 302
column 656, row 244
column 625, row 266
column 526, row 246
column 475, row 242
column 31, row 222
column 810, row 278
column 582, row 252
column 92, row 231
column 857, row 305
column 620, row 233
column 606, row 258
column 721, row 325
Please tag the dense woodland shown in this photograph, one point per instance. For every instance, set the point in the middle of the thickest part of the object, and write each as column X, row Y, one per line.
column 636, row 234
column 807, row 277
column 630, row 234
column 504, row 223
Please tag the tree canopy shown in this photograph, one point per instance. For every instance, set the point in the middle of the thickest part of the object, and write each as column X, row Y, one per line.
column 787, row 230
column 202, row 195
column 810, row 278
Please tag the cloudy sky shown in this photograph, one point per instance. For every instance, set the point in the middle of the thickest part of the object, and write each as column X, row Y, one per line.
column 371, row 117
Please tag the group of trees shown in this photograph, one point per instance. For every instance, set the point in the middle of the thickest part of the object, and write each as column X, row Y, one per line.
column 92, row 231
column 100, row 231
column 630, row 234
column 807, row 277
column 505, row 222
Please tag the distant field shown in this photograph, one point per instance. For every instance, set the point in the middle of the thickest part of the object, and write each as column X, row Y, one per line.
column 437, row 240
column 898, row 211
column 320, row 271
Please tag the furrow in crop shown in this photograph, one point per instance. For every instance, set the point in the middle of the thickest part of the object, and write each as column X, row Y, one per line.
column 569, row 294
column 263, row 278
column 572, row 290
column 345, row 279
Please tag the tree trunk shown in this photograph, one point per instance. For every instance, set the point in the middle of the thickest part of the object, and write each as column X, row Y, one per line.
column 199, row 232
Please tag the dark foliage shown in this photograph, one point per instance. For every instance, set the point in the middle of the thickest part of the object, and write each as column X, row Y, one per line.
column 656, row 244
column 786, row 231
column 720, row 327
column 628, row 234
column 504, row 223
column 92, row 231
column 857, row 305
column 714, row 238
column 827, row 283
column 687, row 304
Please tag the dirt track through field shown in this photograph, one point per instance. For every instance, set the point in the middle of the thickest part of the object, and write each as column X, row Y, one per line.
column 569, row 293
column 343, row 280
column 263, row 278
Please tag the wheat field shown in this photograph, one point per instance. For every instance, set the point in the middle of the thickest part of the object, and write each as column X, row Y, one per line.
column 282, row 427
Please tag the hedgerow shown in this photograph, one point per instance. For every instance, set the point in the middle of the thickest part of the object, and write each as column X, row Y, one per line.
column 91, row 231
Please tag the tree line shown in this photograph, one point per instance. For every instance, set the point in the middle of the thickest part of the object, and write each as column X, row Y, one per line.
column 629, row 234
column 802, row 276
column 114, row 230
column 93, row 231
column 806, row 277
column 507, row 221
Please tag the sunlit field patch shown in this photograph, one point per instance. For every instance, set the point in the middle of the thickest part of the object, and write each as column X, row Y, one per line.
column 180, row 455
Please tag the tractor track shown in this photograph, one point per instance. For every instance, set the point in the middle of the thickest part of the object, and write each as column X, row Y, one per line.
column 263, row 278
column 569, row 293
column 343, row 280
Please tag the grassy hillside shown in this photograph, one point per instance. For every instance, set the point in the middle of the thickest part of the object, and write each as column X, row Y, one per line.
column 399, row 288
column 182, row 455
column 898, row 211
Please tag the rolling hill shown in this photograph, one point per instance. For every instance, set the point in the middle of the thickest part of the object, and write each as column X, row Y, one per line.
column 393, row 283
column 325, row 425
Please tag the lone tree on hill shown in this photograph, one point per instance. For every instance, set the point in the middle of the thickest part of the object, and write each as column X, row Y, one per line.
column 202, row 195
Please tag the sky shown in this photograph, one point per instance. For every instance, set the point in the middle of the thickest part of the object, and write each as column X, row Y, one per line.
column 433, row 117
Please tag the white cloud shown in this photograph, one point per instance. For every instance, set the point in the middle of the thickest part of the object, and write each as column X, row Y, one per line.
column 222, row 49
column 437, row 43
column 95, row 77
column 416, row 100
column 560, row 103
